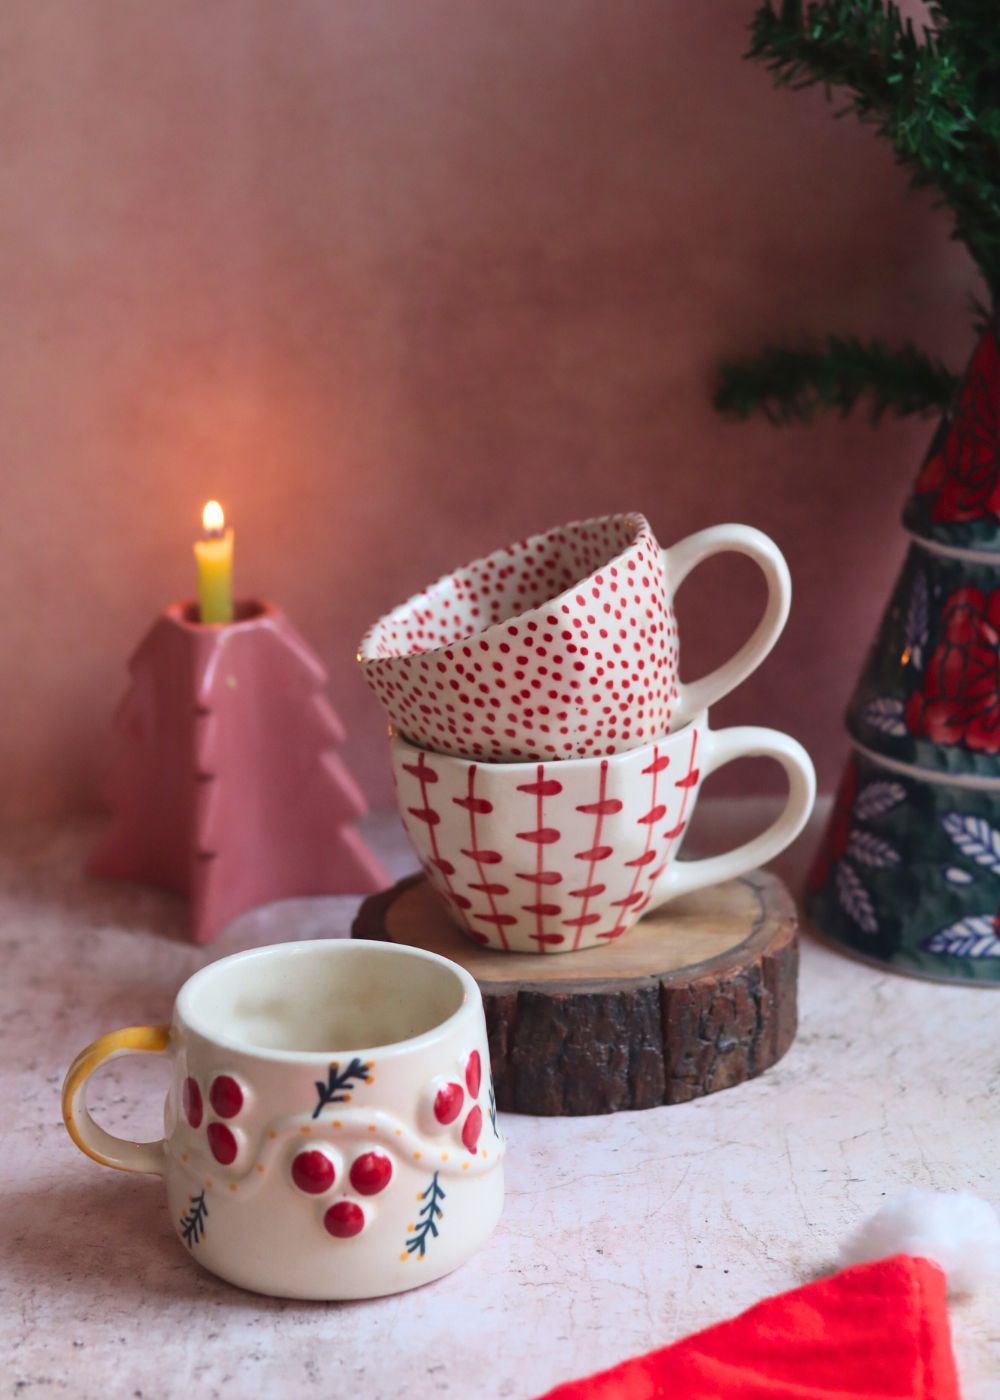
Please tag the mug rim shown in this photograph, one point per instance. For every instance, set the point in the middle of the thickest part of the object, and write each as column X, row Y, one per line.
column 529, row 766
column 427, row 594
column 348, row 947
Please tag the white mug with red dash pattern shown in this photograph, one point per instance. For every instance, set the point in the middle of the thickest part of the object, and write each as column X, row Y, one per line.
column 556, row 857
column 561, row 646
column 330, row 1129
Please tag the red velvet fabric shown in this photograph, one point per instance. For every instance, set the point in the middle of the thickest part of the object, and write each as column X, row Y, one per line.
column 876, row 1331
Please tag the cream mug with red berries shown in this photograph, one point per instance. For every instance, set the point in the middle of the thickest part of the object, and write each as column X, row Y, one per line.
column 561, row 646
column 558, row 857
column 330, row 1128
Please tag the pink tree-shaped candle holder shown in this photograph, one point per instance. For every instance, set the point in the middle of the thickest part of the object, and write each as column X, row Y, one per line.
column 229, row 789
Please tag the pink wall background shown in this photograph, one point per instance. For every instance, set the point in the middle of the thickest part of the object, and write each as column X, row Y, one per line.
column 400, row 282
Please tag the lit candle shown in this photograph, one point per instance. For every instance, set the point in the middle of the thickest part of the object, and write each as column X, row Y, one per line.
column 214, row 554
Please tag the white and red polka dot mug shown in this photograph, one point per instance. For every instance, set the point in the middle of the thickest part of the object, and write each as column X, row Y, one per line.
column 330, row 1130
column 561, row 646
column 557, row 857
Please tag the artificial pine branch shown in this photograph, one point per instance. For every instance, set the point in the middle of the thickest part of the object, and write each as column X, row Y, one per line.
column 789, row 384
column 917, row 92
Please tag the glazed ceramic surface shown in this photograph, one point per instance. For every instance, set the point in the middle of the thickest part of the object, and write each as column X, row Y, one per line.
column 330, row 1131
column 956, row 499
column 554, row 857
column 909, row 872
column 929, row 694
column 561, row 646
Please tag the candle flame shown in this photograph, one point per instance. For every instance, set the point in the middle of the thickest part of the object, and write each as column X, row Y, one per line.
column 213, row 519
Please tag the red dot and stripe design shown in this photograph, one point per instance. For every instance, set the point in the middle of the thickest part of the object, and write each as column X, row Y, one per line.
column 559, row 891
column 562, row 646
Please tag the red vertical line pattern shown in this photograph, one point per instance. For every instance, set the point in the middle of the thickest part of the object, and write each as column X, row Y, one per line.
column 630, row 898
column 686, row 784
column 444, row 866
column 496, row 919
column 598, row 823
column 539, row 857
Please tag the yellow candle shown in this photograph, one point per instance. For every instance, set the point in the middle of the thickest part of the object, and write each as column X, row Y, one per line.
column 214, row 554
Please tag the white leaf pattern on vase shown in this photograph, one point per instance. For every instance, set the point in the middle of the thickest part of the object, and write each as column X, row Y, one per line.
column 855, row 899
column 885, row 713
column 975, row 838
column 875, row 799
column 971, row 937
column 872, row 851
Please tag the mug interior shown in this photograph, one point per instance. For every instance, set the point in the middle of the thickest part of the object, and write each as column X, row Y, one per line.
column 500, row 587
column 321, row 998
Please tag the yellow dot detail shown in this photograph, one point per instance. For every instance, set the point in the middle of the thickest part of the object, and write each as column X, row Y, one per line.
column 411, row 1228
column 272, row 1134
column 259, row 1167
column 337, row 1123
column 403, row 1257
column 465, row 1166
column 372, row 1128
column 305, row 1128
column 399, row 1132
column 369, row 1064
column 418, row 1155
column 347, row 1098
column 232, row 1186
column 208, row 1181
column 444, row 1156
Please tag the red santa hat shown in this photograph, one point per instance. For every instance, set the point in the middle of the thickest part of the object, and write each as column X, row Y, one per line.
column 877, row 1330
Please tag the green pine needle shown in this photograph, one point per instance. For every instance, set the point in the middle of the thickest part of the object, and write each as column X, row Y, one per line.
column 935, row 97
column 792, row 384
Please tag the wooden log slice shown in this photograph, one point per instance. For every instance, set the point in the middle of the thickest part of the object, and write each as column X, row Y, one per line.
column 699, row 996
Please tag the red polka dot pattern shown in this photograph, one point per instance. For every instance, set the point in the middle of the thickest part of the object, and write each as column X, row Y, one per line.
column 193, row 1106
column 226, row 1096
column 448, row 1103
column 344, row 1220
column 313, row 1172
column 222, row 1143
column 561, row 646
column 371, row 1173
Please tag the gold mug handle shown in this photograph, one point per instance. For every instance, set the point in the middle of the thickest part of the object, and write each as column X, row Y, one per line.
column 101, row 1146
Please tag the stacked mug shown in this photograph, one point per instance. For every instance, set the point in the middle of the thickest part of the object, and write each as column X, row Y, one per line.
column 547, row 756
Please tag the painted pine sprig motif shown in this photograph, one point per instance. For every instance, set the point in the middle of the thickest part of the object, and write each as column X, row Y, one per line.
column 430, row 1213
column 338, row 1085
column 193, row 1220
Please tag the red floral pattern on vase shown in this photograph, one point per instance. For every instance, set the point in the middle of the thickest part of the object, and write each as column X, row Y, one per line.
column 960, row 700
column 964, row 471
column 838, row 832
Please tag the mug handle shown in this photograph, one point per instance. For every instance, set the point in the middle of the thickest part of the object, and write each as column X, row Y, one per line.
column 681, row 558
column 746, row 741
column 91, row 1139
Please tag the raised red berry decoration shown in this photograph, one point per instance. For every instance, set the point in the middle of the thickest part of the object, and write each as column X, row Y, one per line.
column 313, row 1171
column 472, row 1127
column 222, row 1142
column 370, row 1173
column 448, row 1102
column 473, row 1074
column 193, row 1107
column 344, row 1219
column 226, row 1096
